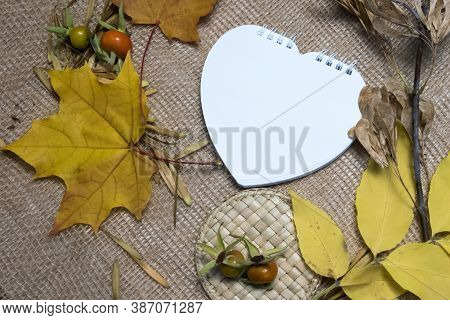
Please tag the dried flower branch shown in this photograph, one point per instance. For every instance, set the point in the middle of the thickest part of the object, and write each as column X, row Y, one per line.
column 437, row 21
column 429, row 22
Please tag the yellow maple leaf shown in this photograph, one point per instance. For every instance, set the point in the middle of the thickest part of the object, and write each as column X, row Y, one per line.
column 90, row 144
column 176, row 18
column 320, row 240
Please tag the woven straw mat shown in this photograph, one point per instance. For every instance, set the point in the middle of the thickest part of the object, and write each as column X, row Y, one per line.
column 76, row 264
column 265, row 217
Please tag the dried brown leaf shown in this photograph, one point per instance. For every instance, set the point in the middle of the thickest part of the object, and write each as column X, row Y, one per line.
column 370, row 142
column 381, row 18
column 400, row 98
column 382, row 26
column 116, row 280
column 386, row 9
column 438, row 19
column 426, row 107
column 357, row 8
column 380, row 109
column 376, row 130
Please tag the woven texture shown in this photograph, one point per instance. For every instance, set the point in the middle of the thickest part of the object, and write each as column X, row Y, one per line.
column 265, row 217
column 76, row 264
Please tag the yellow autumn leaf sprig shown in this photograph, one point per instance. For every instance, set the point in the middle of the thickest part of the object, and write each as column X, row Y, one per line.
column 385, row 208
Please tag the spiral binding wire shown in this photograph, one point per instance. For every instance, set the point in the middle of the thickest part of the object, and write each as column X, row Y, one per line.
column 281, row 38
column 339, row 66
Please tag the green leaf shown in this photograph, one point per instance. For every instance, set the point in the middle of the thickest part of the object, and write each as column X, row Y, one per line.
column 63, row 32
column 384, row 207
column 320, row 240
column 68, row 19
column 422, row 268
column 438, row 198
column 275, row 251
column 234, row 244
column 106, row 25
column 236, row 264
column 370, row 282
column 220, row 245
column 253, row 250
column 207, row 268
column 212, row 252
column 121, row 25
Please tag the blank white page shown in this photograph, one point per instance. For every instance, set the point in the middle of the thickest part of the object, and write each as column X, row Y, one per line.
column 272, row 113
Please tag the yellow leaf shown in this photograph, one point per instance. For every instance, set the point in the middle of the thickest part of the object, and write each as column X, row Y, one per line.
column 370, row 282
column 445, row 243
column 176, row 18
column 320, row 240
column 90, row 145
column 384, row 207
column 438, row 198
column 422, row 268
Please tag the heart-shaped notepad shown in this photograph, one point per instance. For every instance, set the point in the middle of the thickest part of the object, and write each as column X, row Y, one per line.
column 272, row 113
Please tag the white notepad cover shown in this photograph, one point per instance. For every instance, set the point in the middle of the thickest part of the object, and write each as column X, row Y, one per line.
column 272, row 113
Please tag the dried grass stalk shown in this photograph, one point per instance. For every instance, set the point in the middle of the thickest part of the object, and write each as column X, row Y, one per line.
column 149, row 92
column 42, row 75
column 116, row 280
column 166, row 132
column 125, row 246
column 90, row 11
column 152, row 273
column 168, row 173
column 191, row 149
column 137, row 257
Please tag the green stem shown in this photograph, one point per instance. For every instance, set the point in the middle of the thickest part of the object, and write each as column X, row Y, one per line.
column 322, row 294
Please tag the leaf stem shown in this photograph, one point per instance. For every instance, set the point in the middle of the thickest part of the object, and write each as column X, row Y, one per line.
column 325, row 292
column 154, row 157
column 175, row 197
column 415, row 99
column 149, row 40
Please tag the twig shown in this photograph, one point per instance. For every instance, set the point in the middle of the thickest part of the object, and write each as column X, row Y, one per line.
column 415, row 99
column 154, row 157
column 152, row 32
column 175, row 198
column 324, row 293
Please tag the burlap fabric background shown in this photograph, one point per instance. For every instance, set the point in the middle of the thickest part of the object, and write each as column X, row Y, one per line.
column 76, row 264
